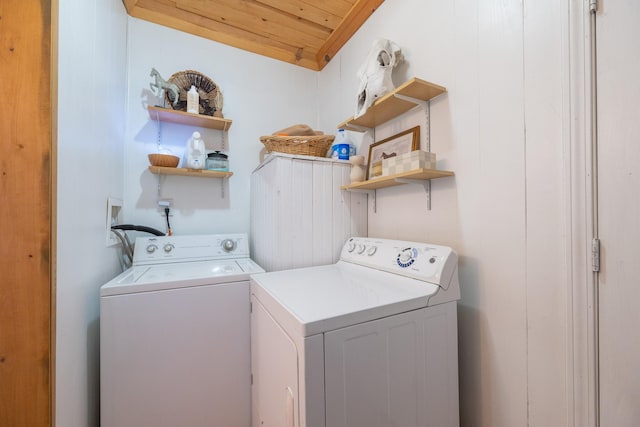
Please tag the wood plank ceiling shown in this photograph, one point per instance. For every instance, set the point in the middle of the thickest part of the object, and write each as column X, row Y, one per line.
column 307, row 33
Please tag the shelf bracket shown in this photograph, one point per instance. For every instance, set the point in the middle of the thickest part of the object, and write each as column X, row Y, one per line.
column 420, row 102
column 425, row 105
column 357, row 128
column 222, row 181
column 424, row 183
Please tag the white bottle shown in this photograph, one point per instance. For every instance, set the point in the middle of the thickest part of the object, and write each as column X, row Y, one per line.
column 195, row 152
column 193, row 101
column 338, row 147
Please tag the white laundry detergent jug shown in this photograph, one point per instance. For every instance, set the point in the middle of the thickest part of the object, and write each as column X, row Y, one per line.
column 195, row 153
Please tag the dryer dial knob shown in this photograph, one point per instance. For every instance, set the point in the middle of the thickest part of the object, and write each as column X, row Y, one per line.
column 361, row 248
column 406, row 257
column 168, row 247
column 351, row 246
column 372, row 250
column 151, row 249
column 228, row 245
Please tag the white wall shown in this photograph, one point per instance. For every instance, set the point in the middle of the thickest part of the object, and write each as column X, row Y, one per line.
column 91, row 107
column 261, row 95
column 502, row 127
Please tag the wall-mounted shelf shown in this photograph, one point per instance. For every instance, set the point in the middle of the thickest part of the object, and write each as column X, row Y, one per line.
column 190, row 119
column 200, row 173
column 398, row 179
column 420, row 177
column 404, row 98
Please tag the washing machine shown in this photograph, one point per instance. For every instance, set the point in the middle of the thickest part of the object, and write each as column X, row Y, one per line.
column 370, row 341
column 174, row 334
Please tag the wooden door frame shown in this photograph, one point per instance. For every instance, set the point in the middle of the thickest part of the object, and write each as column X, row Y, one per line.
column 55, row 11
column 27, row 181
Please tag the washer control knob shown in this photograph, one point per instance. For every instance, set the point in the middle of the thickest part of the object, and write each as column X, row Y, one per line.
column 372, row 250
column 151, row 249
column 168, row 247
column 228, row 245
column 351, row 246
column 361, row 248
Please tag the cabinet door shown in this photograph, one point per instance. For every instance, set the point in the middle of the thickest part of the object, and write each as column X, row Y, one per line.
column 274, row 364
column 399, row 371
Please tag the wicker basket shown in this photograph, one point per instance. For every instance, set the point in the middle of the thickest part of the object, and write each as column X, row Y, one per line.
column 316, row 145
column 211, row 100
column 164, row 160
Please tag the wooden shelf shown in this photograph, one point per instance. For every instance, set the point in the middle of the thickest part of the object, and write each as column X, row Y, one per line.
column 397, row 179
column 391, row 106
column 190, row 119
column 200, row 173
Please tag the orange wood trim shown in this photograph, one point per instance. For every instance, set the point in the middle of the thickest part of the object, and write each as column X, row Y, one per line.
column 25, row 183
column 54, row 204
column 358, row 14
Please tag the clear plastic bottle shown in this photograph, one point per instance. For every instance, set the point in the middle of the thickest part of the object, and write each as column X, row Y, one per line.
column 193, row 101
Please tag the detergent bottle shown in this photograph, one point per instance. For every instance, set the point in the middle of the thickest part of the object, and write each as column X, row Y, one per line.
column 342, row 148
column 195, row 152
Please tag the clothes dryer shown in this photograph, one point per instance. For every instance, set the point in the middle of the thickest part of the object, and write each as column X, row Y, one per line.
column 370, row 341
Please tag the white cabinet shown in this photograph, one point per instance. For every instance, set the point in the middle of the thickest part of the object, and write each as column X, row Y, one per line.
column 299, row 216
column 274, row 378
column 399, row 370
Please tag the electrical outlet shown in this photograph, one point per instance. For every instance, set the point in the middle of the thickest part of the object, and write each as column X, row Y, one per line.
column 114, row 216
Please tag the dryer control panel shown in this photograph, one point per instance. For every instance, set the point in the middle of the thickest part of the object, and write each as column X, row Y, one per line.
column 423, row 261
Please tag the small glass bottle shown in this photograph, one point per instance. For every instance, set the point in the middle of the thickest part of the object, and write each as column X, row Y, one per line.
column 193, row 101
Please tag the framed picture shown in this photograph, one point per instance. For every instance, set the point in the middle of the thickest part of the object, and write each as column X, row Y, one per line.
column 402, row 143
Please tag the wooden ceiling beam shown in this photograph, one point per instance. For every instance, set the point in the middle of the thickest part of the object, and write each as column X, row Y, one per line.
column 352, row 21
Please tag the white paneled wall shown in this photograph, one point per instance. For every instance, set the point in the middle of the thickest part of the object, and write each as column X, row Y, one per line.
column 261, row 95
column 91, row 119
column 502, row 127
column 299, row 215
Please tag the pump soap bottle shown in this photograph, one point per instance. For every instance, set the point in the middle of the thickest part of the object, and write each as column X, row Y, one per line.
column 195, row 152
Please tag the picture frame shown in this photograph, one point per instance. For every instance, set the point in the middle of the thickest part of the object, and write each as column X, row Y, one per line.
column 401, row 143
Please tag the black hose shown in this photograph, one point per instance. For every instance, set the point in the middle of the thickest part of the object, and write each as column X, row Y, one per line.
column 143, row 228
column 166, row 212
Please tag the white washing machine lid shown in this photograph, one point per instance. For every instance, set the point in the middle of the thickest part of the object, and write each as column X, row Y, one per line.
column 177, row 275
column 314, row 300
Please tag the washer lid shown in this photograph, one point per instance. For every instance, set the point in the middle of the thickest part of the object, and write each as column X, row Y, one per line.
column 319, row 299
column 179, row 275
